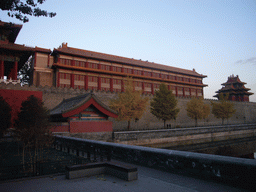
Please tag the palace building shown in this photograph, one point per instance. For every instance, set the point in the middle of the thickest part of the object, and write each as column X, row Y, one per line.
column 13, row 56
column 235, row 88
column 80, row 114
column 82, row 69
column 68, row 67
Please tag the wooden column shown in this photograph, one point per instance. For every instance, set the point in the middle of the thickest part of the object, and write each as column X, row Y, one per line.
column 99, row 83
column 143, row 87
column 72, row 62
column 58, row 79
column 2, row 69
column 152, row 88
column 86, row 82
column 111, row 85
column 72, row 80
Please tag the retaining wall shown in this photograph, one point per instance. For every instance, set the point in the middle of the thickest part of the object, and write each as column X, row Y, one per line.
column 188, row 136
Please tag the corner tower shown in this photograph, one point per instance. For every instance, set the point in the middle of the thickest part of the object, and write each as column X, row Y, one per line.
column 235, row 88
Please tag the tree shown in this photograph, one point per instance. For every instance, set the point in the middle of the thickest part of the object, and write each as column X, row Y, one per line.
column 196, row 109
column 163, row 104
column 19, row 9
column 32, row 126
column 24, row 73
column 207, row 111
column 129, row 105
column 223, row 108
column 5, row 116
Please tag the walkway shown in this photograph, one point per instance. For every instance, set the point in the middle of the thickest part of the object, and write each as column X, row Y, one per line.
column 148, row 180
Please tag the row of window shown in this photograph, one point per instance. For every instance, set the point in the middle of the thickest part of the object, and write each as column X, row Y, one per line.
column 107, row 80
column 65, row 76
column 128, row 71
column 147, row 86
column 179, row 93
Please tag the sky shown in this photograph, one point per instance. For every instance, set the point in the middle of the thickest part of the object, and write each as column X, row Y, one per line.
column 217, row 38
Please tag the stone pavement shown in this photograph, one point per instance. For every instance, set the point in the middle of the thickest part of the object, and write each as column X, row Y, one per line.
column 148, row 180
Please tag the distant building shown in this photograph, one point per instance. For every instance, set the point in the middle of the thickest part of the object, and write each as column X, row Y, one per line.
column 82, row 69
column 235, row 88
column 84, row 113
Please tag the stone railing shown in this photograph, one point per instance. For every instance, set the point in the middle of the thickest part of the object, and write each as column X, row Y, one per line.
column 10, row 81
column 235, row 171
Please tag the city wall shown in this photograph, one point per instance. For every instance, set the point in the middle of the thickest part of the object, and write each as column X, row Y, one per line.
column 245, row 111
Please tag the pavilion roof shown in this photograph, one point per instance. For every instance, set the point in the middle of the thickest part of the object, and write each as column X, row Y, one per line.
column 74, row 105
column 11, row 30
column 15, row 47
column 233, row 80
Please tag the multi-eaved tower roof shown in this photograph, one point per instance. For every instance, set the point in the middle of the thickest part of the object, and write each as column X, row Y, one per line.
column 235, row 88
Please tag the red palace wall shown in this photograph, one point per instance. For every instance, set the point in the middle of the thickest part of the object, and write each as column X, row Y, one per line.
column 90, row 126
column 60, row 128
column 84, row 127
column 15, row 97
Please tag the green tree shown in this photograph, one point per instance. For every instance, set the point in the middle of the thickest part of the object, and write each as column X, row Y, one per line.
column 5, row 116
column 20, row 9
column 32, row 126
column 197, row 109
column 223, row 109
column 130, row 105
column 163, row 104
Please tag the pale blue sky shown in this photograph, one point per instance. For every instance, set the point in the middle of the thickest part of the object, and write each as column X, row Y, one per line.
column 216, row 37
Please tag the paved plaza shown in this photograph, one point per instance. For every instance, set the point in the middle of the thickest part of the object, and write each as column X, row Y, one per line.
column 148, row 180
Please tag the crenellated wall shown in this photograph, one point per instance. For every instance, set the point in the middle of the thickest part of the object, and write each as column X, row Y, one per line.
column 245, row 111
